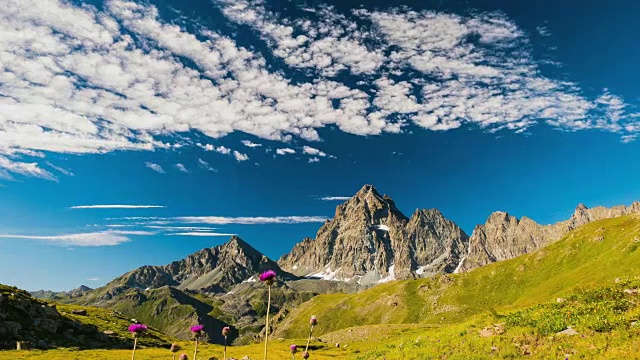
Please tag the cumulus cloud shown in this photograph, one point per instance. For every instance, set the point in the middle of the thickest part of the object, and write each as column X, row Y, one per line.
column 250, row 144
column 102, row 238
column 155, row 167
column 285, row 151
column 219, row 149
column 313, row 151
column 240, row 156
column 82, row 80
column 117, row 207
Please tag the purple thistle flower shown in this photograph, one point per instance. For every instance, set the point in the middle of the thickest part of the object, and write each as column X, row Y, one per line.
column 137, row 328
column 183, row 357
column 293, row 348
column 268, row 277
column 305, row 355
column 174, row 348
column 225, row 330
column 197, row 329
column 313, row 321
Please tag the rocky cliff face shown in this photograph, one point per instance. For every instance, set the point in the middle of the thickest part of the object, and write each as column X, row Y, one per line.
column 369, row 241
column 215, row 269
column 504, row 236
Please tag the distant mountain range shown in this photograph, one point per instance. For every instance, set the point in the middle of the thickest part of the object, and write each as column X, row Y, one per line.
column 368, row 242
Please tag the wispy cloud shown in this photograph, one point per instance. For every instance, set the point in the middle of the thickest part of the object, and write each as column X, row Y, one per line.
column 8, row 166
column 93, row 279
column 201, row 234
column 89, row 239
column 181, row 168
column 117, row 206
column 335, row 198
column 60, row 169
column 206, row 166
column 180, row 228
column 221, row 220
column 543, row 31
column 155, row 167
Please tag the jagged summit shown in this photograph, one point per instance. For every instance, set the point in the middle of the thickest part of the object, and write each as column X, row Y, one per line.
column 504, row 236
column 215, row 269
column 370, row 240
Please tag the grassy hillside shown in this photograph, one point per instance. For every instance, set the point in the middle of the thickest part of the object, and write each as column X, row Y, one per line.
column 594, row 254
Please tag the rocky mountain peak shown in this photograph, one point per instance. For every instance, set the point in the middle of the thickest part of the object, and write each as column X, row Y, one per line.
column 214, row 269
column 368, row 206
column 580, row 216
column 370, row 240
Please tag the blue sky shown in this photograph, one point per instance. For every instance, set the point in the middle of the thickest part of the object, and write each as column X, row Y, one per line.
column 210, row 118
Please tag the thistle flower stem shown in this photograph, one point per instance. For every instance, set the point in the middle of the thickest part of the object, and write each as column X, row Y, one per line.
column 135, row 344
column 195, row 352
column 266, row 334
column 225, row 347
column 293, row 357
column 309, row 339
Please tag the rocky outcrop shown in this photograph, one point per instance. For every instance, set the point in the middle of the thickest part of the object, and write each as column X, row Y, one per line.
column 369, row 241
column 504, row 236
column 36, row 323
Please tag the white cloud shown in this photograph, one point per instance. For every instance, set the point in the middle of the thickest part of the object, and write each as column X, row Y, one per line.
column 102, row 238
column 240, row 156
column 313, row 151
column 285, row 151
column 117, row 207
column 205, row 165
column 198, row 233
column 543, row 31
column 180, row 228
column 627, row 139
column 331, row 44
column 314, row 160
column 81, row 80
column 8, row 166
column 181, row 168
column 250, row 144
column 221, row 220
column 220, row 149
column 59, row 169
column 155, row 167
column 93, row 279
column 335, row 198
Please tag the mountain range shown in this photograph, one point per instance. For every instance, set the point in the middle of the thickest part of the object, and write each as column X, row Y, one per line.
column 369, row 241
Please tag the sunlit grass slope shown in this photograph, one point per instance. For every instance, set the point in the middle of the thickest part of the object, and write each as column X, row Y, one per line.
column 593, row 254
